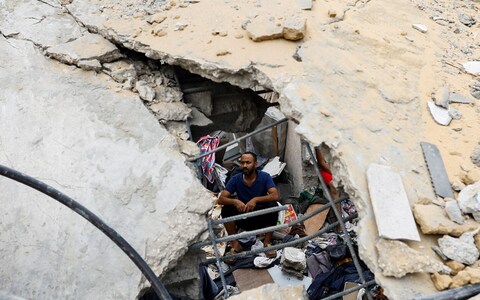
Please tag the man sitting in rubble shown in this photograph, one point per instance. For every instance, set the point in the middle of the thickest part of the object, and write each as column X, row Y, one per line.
column 254, row 190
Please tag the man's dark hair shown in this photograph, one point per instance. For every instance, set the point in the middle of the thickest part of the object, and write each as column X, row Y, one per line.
column 252, row 154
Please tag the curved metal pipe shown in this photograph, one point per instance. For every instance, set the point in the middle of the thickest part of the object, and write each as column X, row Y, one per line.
column 157, row 286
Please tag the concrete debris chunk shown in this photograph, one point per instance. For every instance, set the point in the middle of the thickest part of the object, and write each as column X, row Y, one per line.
column 466, row 20
column 89, row 46
column 457, row 186
column 294, row 28
column 442, row 96
column 294, row 258
column 273, row 291
column 455, row 266
column 474, row 274
column 396, row 259
column 437, row 251
column 199, row 119
column 453, row 212
column 469, row 200
column 475, row 157
column 304, row 4
column 90, row 64
column 157, row 18
column 145, row 91
column 420, row 27
column 441, row 282
column 462, row 249
column 458, row 98
column 454, row 114
column 174, row 111
column 180, row 26
column 472, row 67
column 263, row 28
column 120, row 70
column 390, row 204
column 461, row 279
column 439, row 114
column 434, row 220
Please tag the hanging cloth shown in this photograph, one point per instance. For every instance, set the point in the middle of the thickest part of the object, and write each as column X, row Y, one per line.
column 206, row 144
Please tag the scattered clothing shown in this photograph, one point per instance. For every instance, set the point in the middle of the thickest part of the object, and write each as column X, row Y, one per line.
column 206, row 144
column 207, row 285
column 319, row 263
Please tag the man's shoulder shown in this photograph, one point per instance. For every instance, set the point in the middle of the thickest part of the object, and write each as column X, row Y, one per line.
column 236, row 177
column 263, row 174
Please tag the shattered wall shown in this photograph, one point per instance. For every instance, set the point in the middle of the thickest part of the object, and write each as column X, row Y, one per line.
column 358, row 81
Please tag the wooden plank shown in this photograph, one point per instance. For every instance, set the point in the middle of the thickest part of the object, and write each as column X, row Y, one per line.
column 393, row 214
column 316, row 222
column 248, row 279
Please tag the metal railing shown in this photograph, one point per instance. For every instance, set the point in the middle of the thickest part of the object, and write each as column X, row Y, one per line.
column 69, row 202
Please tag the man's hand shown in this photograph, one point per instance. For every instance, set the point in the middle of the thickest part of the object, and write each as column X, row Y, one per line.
column 250, row 205
column 240, row 206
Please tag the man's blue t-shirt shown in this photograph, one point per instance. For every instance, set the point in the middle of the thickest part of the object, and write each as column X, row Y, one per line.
column 245, row 193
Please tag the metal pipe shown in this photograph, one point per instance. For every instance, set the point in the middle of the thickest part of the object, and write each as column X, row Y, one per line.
column 461, row 293
column 217, row 256
column 250, row 214
column 349, row 291
column 239, row 139
column 268, row 229
column 283, row 245
column 339, row 218
column 157, row 286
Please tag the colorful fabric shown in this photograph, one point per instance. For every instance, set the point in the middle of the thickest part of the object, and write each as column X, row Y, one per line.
column 206, row 144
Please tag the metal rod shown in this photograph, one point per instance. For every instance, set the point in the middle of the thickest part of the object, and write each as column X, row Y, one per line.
column 339, row 218
column 283, row 245
column 461, row 293
column 250, row 214
column 239, row 139
column 157, row 286
column 349, row 291
column 217, row 256
column 268, row 229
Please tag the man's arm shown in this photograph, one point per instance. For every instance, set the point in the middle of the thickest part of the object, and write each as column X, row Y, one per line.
column 321, row 161
column 272, row 195
column 226, row 198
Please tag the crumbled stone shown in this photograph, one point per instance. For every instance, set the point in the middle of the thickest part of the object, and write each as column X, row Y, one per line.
column 475, row 157
column 442, row 96
column 455, row 266
column 420, row 27
column 159, row 30
column 457, row 186
column 305, row 4
column 90, row 64
column 461, row 279
column 293, row 258
column 145, row 91
column 174, row 111
column 407, row 260
column 439, row 252
column 332, row 13
column 475, row 94
column 458, row 98
column 477, row 240
column 455, row 114
column 469, row 200
column 474, row 274
column 294, row 28
column 263, row 29
column 199, row 119
column 180, row 26
column 453, row 212
column 157, row 18
column 441, row 282
column 466, row 20
column 434, row 220
column 439, row 114
column 460, row 249
column 472, row 67
column 120, row 70
column 222, row 52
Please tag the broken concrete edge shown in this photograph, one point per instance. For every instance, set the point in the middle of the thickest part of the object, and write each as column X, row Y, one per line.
column 247, row 77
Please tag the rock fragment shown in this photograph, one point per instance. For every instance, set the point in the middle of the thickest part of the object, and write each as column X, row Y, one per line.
column 199, row 119
column 474, row 274
column 157, row 18
column 453, row 212
column 294, row 28
column 454, row 114
column 441, row 282
column 120, row 70
column 434, row 220
column 145, row 91
column 180, row 26
column 332, row 13
column 305, row 4
column 442, row 96
column 460, row 249
column 407, row 260
column 466, row 20
column 263, row 29
column 455, row 266
column 420, row 27
column 174, row 111
column 475, row 157
column 458, row 98
column 90, row 64
column 469, row 200
column 461, row 279
column 472, row 67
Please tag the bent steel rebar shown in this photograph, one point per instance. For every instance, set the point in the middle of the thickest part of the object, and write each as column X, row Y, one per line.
column 157, row 286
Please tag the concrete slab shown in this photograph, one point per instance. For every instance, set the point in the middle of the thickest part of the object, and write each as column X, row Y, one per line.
column 393, row 215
